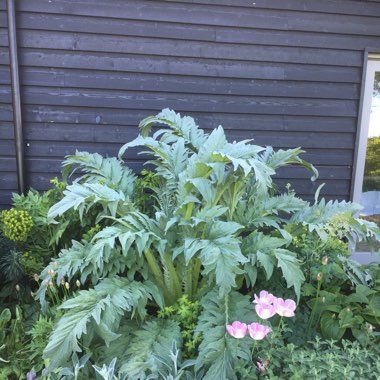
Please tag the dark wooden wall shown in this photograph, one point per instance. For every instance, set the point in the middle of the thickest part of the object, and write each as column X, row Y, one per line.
column 286, row 73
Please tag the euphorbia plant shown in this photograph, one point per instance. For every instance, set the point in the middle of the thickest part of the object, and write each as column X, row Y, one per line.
column 218, row 222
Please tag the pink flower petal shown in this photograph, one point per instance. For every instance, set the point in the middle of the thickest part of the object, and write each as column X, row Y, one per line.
column 238, row 329
column 258, row 331
column 265, row 311
column 264, row 297
column 285, row 308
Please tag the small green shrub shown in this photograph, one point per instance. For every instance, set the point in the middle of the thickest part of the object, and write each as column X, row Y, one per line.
column 324, row 360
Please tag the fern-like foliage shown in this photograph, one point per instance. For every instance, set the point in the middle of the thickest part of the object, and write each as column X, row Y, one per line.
column 218, row 352
column 106, row 181
column 147, row 344
column 99, row 311
column 11, row 270
column 337, row 218
column 183, row 127
column 97, row 168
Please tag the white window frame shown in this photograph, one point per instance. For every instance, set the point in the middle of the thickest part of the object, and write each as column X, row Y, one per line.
column 373, row 65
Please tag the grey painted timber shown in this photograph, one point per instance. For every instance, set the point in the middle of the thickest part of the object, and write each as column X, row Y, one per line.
column 284, row 73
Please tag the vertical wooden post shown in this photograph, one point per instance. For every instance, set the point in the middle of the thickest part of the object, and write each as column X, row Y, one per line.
column 16, row 100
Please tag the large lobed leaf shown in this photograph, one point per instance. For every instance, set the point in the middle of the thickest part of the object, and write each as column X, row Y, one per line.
column 220, row 253
column 218, row 352
column 82, row 197
column 99, row 310
column 148, row 344
column 97, row 168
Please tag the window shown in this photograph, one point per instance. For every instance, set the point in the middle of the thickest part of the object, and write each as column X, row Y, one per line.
column 367, row 173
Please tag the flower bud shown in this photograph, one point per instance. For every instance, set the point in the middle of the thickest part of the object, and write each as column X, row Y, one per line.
column 323, row 299
column 51, row 285
column 369, row 328
column 67, row 285
column 63, row 281
column 77, row 283
column 319, row 276
column 51, row 273
column 17, row 287
column 55, row 264
column 36, row 278
column 325, row 260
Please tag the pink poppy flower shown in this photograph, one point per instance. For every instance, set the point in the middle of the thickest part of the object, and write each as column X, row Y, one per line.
column 265, row 311
column 264, row 297
column 285, row 308
column 237, row 329
column 258, row 331
column 265, row 305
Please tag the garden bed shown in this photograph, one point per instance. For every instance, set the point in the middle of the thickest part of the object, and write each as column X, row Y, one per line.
column 199, row 269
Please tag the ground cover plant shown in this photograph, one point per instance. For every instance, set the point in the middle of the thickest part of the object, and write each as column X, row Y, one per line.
column 152, row 277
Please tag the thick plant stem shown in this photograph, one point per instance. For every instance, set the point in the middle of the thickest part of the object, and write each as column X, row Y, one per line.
column 189, row 210
column 155, row 268
column 195, row 273
column 174, row 283
column 313, row 311
column 226, row 308
column 219, row 195
column 235, row 200
column 188, row 288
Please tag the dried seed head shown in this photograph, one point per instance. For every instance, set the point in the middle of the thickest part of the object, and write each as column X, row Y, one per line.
column 319, row 276
column 325, row 260
column 67, row 285
column 63, row 281
column 51, row 285
column 369, row 328
column 36, row 278
column 77, row 282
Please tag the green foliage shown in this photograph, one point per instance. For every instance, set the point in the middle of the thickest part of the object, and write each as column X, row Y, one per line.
column 215, row 224
column 372, row 167
column 143, row 192
column 39, row 336
column 10, row 267
column 16, row 224
column 13, row 358
column 185, row 313
column 218, row 352
column 324, row 360
column 153, row 340
column 337, row 289
column 103, row 306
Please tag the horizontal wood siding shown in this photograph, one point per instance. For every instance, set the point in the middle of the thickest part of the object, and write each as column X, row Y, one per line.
column 284, row 73
column 8, row 176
